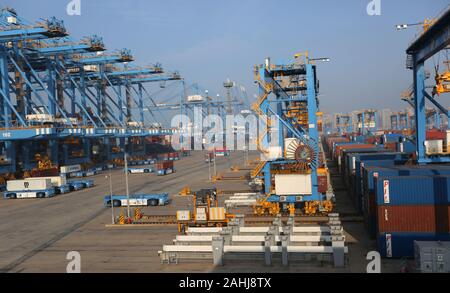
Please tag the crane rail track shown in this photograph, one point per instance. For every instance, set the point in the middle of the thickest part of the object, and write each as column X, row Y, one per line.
column 251, row 219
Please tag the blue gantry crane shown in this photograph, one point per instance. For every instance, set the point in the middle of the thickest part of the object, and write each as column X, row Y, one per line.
column 431, row 42
column 289, row 139
column 56, row 93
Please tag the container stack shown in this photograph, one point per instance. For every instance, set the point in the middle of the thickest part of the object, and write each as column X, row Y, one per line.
column 400, row 204
column 411, row 208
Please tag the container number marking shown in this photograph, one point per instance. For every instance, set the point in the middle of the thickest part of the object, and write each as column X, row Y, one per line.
column 386, row 191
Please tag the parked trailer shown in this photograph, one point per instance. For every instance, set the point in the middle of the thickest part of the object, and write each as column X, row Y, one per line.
column 29, row 189
column 140, row 170
column 59, row 182
column 160, row 199
column 165, row 168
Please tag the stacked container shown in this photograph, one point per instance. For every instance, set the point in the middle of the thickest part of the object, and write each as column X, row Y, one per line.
column 371, row 173
column 411, row 208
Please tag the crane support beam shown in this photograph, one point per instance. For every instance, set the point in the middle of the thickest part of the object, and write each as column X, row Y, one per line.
column 435, row 39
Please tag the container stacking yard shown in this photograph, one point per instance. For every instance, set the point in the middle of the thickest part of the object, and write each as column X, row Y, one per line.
column 137, row 168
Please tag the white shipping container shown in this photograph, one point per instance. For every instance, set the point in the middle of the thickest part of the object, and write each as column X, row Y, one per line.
column 183, row 215
column 19, row 185
column 295, row 184
column 70, row 169
column 56, row 181
column 200, row 217
column 434, row 147
column 195, row 98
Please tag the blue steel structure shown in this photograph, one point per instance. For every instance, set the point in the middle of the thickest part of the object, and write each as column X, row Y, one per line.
column 287, row 108
column 344, row 124
column 52, row 89
column 367, row 121
column 435, row 39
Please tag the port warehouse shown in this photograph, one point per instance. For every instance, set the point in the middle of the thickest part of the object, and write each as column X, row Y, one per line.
column 78, row 122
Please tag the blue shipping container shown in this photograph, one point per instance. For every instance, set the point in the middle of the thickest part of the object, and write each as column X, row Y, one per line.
column 413, row 190
column 370, row 171
column 368, row 189
column 398, row 245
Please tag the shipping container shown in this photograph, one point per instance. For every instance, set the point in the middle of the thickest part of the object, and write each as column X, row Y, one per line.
column 340, row 148
column 70, row 169
column 368, row 189
column 391, row 146
column 56, row 181
column 347, row 162
column 322, row 182
column 358, row 188
column 434, row 147
column 400, row 245
column 413, row 218
column 406, row 147
column 164, row 165
column 390, row 138
column 432, row 256
column 23, row 185
column 436, row 134
column 412, row 190
column 183, row 215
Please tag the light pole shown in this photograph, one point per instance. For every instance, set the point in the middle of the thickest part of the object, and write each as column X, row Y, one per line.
column 214, row 162
column 126, row 183
column 209, row 166
column 111, row 194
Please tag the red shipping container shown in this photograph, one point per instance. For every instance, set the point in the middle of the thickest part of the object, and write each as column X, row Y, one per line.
column 436, row 134
column 392, row 146
column 420, row 218
column 340, row 148
column 322, row 182
column 371, row 139
column 164, row 165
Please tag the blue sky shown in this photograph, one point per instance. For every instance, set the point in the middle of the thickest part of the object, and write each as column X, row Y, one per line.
column 209, row 41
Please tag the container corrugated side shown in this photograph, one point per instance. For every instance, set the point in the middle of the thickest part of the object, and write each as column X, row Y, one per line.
column 368, row 192
column 412, row 218
column 412, row 190
column 359, row 188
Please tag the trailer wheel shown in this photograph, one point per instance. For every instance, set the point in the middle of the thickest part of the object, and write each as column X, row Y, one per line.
column 153, row 202
column 117, row 203
column 40, row 195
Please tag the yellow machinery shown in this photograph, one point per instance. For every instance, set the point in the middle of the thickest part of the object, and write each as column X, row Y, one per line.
column 185, row 191
column 206, row 212
column 442, row 82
